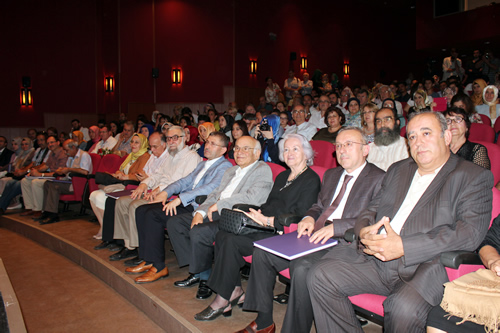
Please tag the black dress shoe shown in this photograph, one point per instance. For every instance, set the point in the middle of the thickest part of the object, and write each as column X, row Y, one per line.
column 50, row 220
column 103, row 245
column 211, row 314
column 124, row 254
column 188, row 282
column 113, row 247
column 204, row 291
column 133, row 262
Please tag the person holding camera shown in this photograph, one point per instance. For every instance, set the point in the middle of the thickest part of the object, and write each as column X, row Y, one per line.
column 269, row 133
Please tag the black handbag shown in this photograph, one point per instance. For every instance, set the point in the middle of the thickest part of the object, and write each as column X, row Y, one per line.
column 239, row 224
column 104, row 178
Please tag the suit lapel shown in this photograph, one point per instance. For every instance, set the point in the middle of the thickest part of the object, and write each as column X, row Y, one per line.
column 401, row 191
column 249, row 172
column 332, row 186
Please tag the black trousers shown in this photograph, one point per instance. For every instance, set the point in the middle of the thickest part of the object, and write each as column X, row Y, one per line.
column 265, row 266
column 229, row 252
column 193, row 247
column 151, row 222
column 108, row 220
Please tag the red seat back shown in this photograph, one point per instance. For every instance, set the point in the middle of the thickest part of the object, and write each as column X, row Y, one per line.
column 486, row 120
column 276, row 169
column 324, row 154
column 494, row 156
column 481, row 132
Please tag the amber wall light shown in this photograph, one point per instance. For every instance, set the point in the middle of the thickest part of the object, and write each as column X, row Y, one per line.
column 176, row 76
column 109, row 84
column 253, row 66
column 303, row 63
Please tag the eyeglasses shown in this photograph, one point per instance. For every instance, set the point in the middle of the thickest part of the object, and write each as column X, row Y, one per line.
column 384, row 120
column 210, row 143
column 173, row 137
column 347, row 145
column 245, row 149
column 284, row 118
column 298, row 111
column 456, row 120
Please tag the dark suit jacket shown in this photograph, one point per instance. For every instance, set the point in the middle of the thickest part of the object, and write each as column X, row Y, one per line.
column 363, row 191
column 452, row 214
column 5, row 157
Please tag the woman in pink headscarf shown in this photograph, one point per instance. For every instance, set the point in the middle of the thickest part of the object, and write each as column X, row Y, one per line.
column 95, row 137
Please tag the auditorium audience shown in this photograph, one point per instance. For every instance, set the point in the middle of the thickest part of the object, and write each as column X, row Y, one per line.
column 107, row 142
column 464, row 102
column 368, row 120
column 491, row 107
column 239, row 129
column 301, row 126
column 269, row 138
column 318, row 116
column 353, row 115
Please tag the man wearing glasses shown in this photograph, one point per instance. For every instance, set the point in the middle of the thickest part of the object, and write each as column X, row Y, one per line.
column 318, row 116
column 301, row 126
column 388, row 146
column 192, row 235
column 180, row 162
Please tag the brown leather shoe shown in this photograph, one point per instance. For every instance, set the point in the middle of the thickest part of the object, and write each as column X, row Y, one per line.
column 28, row 212
column 252, row 328
column 37, row 214
column 152, row 275
column 141, row 268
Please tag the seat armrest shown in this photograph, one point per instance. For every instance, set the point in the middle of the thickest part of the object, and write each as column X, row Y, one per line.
column 350, row 236
column 90, row 176
column 76, row 174
column 287, row 219
column 245, row 207
column 200, row 199
column 131, row 182
column 454, row 259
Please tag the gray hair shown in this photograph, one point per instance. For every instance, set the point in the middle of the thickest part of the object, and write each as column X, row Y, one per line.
column 72, row 144
column 357, row 129
column 306, row 146
column 438, row 115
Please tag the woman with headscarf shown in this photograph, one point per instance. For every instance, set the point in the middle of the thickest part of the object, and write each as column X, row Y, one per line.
column 77, row 136
column 490, row 108
column 226, row 124
column 95, row 137
column 204, row 129
column 478, row 86
column 147, row 130
column 133, row 164
column 422, row 102
column 193, row 135
column 269, row 133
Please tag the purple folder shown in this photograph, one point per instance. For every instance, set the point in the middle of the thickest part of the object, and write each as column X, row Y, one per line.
column 119, row 194
column 290, row 247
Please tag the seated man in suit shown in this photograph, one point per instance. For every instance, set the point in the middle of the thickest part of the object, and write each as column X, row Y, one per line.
column 79, row 161
column 180, row 162
column 192, row 235
column 346, row 192
column 433, row 203
column 152, row 221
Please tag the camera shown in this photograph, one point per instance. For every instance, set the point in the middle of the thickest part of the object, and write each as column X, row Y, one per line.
column 264, row 127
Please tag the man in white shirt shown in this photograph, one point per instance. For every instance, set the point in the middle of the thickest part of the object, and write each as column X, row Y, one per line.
column 388, row 146
column 431, row 203
column 318, row 116
column 452, row 65
column 180, row 162
column 79, row 161
column 301, row 126
column 291, row 85
column 346, row 192
column 107, row 140
column 386, row 92
column 306, row 85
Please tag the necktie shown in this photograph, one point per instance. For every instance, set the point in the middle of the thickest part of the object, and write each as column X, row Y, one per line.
column 320, row 222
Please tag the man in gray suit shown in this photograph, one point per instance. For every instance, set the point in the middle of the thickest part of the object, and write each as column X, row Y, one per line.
column 192, row 235
column 345, row 193
column 433, row 203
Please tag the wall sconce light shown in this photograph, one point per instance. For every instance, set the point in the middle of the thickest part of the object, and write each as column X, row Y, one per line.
column 109, row 84
column 303, row 63
column 26, row 97
column 25, row 91
column 346, row 68
column 253, row 66
column 176, row 76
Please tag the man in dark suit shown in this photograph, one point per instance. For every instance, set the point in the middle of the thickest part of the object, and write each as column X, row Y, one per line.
column 152, row 218
column 433, row 203
column 192, row 235
column 345, row 193
column 5, row 153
